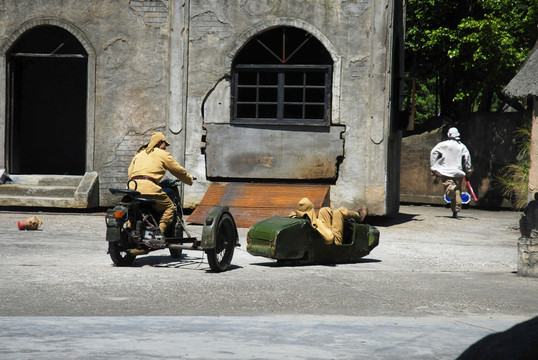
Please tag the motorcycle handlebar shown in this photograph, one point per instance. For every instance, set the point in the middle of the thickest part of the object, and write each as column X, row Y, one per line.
column 173, row 182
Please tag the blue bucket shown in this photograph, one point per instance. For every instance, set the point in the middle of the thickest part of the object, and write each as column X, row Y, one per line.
column 465, row 198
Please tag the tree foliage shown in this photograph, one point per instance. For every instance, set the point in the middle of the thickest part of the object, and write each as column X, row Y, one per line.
column 514, row 178
column 465, row 52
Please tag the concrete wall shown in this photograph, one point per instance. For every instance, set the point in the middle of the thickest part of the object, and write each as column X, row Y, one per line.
column 128, row 47
column 358, row 35
column 165, row 65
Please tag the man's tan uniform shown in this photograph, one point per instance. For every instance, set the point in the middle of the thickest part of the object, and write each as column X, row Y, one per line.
column 148, row 168
column 329, row 223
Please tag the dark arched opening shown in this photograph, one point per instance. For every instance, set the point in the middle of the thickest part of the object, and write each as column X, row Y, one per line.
column 46, row 103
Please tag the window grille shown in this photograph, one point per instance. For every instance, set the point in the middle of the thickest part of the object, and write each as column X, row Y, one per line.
column 274, row 89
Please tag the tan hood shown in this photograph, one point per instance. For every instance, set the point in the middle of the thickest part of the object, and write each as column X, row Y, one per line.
column 155, row 140
column 305, row 207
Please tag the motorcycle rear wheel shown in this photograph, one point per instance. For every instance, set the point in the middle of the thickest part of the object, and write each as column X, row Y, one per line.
column 119, row 255
column 178, row 233
column 220, row 257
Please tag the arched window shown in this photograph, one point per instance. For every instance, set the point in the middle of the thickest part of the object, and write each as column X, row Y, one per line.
column 282, row 77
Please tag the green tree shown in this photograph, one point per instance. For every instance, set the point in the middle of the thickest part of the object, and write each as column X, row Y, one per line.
column 465, row 52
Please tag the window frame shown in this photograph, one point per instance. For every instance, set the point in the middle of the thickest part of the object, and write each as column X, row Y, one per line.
column 282, row 116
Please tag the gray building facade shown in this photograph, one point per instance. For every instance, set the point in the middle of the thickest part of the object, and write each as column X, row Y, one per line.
column 303, row 91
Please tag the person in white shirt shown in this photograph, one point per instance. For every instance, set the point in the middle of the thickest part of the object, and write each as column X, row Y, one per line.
column 451, row 161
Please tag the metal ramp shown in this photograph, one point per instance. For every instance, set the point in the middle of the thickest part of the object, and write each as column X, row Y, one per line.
column 56, row 191
column 253, row 202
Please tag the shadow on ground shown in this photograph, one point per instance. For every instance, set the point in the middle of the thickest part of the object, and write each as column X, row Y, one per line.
column 397, row 219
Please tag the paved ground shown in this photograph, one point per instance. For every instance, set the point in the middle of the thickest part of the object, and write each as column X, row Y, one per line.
column 431, row 288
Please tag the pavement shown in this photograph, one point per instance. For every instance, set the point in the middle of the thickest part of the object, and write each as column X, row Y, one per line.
column 433, row 287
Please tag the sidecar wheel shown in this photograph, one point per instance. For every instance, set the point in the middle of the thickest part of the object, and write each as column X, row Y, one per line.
column 119, row 255
column 220, row 257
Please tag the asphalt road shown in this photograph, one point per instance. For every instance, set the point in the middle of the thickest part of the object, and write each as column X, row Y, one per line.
column 431, row 288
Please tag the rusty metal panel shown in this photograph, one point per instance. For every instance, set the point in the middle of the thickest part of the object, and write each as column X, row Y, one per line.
column 252, row 202
column 273, row 153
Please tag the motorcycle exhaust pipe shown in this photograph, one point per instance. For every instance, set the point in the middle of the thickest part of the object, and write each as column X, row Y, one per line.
column 194, row 246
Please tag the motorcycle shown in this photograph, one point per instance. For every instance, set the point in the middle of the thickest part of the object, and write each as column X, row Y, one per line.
column 133, row 229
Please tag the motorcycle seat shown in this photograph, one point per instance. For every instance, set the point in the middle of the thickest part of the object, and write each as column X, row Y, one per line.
column 125, row 192
column 145, row 201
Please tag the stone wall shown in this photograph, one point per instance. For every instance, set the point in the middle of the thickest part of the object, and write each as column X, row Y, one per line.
column 527, row 257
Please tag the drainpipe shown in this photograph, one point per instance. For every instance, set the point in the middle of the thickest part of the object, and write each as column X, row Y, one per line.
column 178, row 75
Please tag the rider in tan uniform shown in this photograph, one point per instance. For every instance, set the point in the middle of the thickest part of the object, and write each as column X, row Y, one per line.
column 148, row 168
column 329, row 223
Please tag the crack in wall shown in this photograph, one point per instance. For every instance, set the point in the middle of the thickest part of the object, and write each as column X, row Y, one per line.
column 208, row 24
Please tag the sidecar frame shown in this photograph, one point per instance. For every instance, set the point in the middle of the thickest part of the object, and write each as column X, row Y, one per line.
column 294, row 240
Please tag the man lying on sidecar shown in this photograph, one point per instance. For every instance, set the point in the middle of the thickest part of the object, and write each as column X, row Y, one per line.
column 334, row 236
column 329, row 223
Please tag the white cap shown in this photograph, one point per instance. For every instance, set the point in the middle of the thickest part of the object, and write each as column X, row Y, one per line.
column 453, row 133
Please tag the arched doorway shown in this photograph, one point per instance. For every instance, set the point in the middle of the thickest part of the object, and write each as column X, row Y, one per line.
column 46, row 100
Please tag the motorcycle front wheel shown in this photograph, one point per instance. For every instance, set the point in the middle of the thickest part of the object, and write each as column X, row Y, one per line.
column 119, row 254
column 220, row 257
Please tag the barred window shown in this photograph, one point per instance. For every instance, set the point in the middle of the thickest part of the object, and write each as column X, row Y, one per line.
column 273, row 88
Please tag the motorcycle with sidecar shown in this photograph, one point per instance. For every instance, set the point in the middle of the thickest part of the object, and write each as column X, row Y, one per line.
column 132, row 229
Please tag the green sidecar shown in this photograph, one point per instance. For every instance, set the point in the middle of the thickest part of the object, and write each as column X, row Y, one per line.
column 295, row 241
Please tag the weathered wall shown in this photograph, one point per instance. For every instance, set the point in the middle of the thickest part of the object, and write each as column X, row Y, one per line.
column 165, row 65
column 127, row 42
column 533, row 171
column 491, row 141
column 357, row 34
